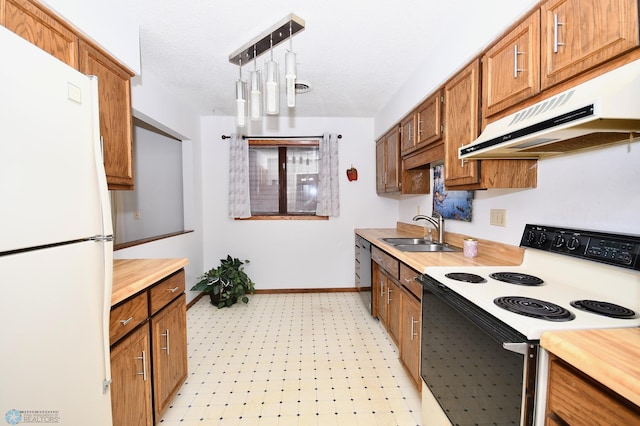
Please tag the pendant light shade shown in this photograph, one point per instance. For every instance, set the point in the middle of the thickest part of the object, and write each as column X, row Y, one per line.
column 272, row 89
column 241, row 103
column 290, row 77
column 255, row 95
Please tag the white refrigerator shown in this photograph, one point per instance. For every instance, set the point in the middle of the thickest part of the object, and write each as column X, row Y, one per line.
column 55, row 243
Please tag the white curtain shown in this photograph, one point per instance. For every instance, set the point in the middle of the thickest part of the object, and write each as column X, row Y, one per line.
column 239, row 204
column 328, row 185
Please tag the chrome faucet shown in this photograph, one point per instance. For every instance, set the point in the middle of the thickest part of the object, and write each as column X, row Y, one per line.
column 437, row 223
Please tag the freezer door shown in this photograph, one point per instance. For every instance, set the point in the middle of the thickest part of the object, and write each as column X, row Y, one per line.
column 50, row 182
column 55, row 356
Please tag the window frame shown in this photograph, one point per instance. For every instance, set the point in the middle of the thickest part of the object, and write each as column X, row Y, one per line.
column 282, row 144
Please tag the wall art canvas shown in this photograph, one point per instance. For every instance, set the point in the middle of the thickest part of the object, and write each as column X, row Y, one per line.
column 456, row 205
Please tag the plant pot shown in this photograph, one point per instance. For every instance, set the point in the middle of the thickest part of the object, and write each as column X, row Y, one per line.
column 215, row 299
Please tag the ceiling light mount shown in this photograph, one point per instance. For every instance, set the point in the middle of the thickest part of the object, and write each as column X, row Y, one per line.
column 278, row 33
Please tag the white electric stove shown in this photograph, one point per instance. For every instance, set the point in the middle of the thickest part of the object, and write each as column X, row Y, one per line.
column 569, row 279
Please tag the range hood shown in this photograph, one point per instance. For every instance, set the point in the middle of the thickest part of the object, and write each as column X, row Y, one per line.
column 601, row 111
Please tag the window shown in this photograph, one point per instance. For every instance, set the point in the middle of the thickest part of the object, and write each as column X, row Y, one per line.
column 283, row 177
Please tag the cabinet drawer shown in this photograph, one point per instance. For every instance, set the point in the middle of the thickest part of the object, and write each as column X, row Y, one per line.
column 575, row 398
column 126, row 316
column 166, row 290
column 408, row 279
column 386, row 261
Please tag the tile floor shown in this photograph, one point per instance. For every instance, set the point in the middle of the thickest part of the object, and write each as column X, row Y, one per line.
column 292, row 359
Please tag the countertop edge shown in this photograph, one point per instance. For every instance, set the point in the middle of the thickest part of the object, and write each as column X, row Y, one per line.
column 131, row 276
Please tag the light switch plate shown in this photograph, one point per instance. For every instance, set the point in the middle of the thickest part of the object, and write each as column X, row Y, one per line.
column 498, row 217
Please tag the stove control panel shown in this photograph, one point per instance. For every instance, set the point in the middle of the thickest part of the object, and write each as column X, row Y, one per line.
column 613, row 249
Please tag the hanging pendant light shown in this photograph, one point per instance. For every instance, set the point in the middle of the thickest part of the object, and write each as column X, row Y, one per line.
column 290, row 72
column 255, row 90
column 241, row 100
column 272, row 92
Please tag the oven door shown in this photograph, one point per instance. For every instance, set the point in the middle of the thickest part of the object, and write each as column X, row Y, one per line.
column 478, row 369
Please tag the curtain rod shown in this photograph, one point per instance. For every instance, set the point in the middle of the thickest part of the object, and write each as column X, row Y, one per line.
column 278, row 137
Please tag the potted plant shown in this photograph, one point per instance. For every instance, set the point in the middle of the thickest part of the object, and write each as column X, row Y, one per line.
column 227, row 283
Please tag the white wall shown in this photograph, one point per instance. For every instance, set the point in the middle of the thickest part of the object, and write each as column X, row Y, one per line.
column 154, row 105
column 112, row 24
column 287, row 254
column 591, row 190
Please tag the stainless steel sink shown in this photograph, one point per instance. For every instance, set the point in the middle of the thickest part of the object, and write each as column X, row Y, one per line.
column 419, row 245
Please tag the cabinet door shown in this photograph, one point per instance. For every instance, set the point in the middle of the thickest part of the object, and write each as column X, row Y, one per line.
column 461, row 105
column 380, row 295
column 394, row 295
column 511, row 68
column 37, row 25
column 410, row 341
column 392, row 150
column 131, row 380
column 408, row 134
column 579, row 34
column 114, row 89
column 429, row 120
column 380, row 169
column 168, row 329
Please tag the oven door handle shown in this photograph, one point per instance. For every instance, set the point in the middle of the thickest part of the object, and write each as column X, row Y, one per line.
column 519, row 348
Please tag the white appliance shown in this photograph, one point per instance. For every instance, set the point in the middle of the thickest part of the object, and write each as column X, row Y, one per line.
column 55, row 243
column 600, row 111
column 563, row 272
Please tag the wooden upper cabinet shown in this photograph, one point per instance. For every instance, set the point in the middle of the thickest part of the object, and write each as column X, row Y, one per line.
column 429, row 120
column 37, row 25
column 116, row 126
column 388, row 162
column 408, row 134
column 577, row 35
column 461, row 105
column 511, row 67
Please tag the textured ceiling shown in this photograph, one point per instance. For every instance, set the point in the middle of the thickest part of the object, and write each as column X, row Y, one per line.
column 355, row 53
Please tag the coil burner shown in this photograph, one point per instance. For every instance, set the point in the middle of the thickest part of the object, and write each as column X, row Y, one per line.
column 534, row 308
column 465, row 277
column 604, row 308
column 517, row 278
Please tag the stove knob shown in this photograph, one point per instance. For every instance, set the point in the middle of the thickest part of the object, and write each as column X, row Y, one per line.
column 573, row 243
column 530, row 236
column 541, row 238
column 559, row 242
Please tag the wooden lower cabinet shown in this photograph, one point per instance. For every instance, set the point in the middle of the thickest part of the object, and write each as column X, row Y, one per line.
column 148, row 364
column 411, row 310
column 573, row 398
column 169, row 332
column 394, row 296
column 396, row 303
column 131, row 379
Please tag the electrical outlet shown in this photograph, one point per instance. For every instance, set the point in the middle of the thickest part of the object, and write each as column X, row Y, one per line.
column 498, row 217
column 136, row 214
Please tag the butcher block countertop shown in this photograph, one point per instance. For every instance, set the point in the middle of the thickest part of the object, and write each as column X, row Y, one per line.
column 490, row 253
column 131, row 276
column 612, row 357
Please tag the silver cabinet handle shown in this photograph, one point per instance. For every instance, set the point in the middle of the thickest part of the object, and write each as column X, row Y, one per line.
column 516, row 70
column 388, row 295
column 125, row 322
column 381, row 288
column 413, row 333
column 166, row 334
column 556, row 24
column 173, row 290
column 408, row 280
column 420, row 127
column 144, row 366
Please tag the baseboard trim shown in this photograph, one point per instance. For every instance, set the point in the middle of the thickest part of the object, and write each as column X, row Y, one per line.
column 307, row 290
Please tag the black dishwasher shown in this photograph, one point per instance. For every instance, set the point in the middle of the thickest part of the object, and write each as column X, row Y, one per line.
column 363, row 271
